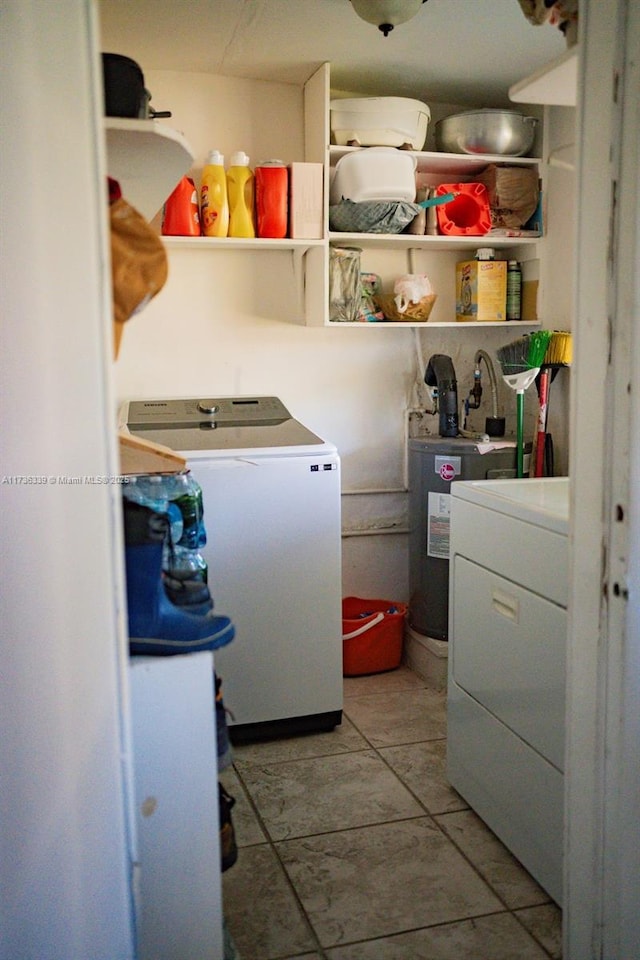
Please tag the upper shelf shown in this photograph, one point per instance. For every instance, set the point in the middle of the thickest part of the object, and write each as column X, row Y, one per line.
column 449, row 164
column 147, row 158
column 555, row 84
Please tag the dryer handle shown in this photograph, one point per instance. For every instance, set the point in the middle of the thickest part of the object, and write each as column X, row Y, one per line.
column 363, row 629
column 505, row 605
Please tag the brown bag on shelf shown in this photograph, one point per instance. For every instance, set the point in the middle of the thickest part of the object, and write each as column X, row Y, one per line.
column 138, row 262
column 513, row 194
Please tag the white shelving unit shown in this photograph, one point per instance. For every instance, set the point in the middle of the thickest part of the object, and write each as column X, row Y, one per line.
column 424, row 253
column 148, row 158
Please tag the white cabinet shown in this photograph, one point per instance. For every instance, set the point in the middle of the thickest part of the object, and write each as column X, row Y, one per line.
column 176, row 799
column 507, row 640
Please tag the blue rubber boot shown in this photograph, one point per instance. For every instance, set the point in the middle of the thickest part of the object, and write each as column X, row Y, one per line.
column 191, row 595
column 156, row 626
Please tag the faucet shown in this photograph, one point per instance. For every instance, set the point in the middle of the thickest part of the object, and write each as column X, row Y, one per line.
column 494, row 425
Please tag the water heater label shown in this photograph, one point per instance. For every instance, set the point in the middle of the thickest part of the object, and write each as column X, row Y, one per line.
column 448, row 467
column 438, row 525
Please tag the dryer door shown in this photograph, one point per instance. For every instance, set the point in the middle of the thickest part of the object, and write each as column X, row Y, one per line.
column 517, row 670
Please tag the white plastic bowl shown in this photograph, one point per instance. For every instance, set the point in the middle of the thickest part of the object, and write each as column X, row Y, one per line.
column 375, row 173
column 380, row 122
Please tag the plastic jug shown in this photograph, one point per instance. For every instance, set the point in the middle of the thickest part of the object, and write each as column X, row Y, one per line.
column 181, row 214
column 214, row 203
column 240, row 188
column 272, row 192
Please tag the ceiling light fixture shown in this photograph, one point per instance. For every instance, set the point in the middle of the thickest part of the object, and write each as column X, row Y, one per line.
column 386, row 14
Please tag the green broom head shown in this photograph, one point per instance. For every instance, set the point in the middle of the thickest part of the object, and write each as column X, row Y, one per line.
column 525, row 353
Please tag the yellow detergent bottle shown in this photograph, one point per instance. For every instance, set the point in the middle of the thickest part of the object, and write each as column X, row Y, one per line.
column 240, row 189
column 214, row 203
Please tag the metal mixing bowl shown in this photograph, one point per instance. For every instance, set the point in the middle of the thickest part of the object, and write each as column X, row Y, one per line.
column 501, row 132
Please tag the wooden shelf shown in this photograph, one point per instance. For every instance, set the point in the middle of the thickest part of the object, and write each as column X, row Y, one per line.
column 147, row 158
column 139, row 456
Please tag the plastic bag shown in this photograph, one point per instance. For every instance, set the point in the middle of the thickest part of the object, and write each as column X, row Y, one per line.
column 513, row 194
column 139, row 265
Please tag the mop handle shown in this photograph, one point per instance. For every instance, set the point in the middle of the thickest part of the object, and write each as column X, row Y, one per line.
column 520, row 433
column 545, row 376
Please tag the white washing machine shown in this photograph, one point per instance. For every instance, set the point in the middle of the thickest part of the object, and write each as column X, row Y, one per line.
column 507, row 645
column 271, row 492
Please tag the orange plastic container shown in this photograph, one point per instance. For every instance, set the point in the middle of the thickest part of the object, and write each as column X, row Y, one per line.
column 469, row 215
column 272, row 199
column 372, row 634
column 181, row 216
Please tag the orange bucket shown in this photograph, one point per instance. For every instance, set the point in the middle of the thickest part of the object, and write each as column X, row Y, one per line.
column 469, row 215
column 372, row 634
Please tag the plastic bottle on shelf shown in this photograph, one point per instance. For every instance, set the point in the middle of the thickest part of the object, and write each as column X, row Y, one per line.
column 186, row 560
column 514, row 290
column 214, row 203
column 272, row 195
column 150, row 490
column 240, row 189
column 188, row 497
column 181, row 216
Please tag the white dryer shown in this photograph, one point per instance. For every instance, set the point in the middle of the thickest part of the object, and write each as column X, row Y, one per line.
column 271, row 492
column 507, row 644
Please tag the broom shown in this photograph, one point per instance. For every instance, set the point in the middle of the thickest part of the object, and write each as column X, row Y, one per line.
column 559, row 354
column 520, row 362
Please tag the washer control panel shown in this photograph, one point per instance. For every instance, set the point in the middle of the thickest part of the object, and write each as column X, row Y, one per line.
column 221, row 411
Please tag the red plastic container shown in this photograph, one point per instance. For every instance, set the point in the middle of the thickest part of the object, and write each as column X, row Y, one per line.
column 469, row 215
column 181, row 211
column 372, row 635
column 272, row 199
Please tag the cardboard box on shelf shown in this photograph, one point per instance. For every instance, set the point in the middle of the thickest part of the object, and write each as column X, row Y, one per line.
column 305, row 201
column 481, row 291
column 530, row 279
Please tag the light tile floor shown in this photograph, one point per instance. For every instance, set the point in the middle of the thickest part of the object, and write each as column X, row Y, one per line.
column 353, row 846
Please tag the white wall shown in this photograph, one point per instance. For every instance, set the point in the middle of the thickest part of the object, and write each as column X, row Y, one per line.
column 64, row 846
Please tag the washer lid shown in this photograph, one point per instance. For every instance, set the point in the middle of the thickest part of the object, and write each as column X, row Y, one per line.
column 217, row 423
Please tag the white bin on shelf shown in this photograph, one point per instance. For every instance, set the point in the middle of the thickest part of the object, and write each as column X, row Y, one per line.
column 380, row 122
column 377, row 173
